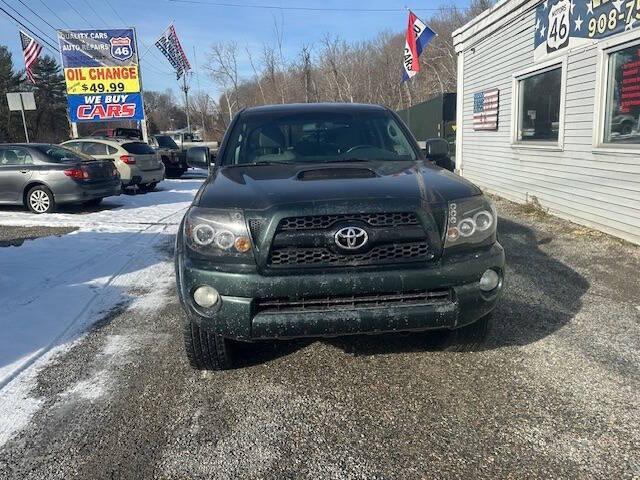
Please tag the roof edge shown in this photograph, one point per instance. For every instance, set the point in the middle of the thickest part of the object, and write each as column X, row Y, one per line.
column 488, row 18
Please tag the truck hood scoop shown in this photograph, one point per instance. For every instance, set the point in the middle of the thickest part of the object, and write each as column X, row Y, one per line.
column 332, row 173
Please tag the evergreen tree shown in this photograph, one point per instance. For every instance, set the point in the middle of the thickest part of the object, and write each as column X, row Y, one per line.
column 10, row 122
column 49, row 122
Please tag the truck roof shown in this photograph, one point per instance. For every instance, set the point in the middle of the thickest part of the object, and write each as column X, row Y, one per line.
column 291, row 108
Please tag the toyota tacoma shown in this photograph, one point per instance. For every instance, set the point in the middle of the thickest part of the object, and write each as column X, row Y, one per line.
column 322, row 220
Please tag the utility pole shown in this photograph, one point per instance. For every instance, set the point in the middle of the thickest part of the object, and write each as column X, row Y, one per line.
column 185, row 89
column 202, row 112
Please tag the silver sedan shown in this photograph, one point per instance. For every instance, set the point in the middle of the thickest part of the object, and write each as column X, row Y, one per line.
column 41, row 176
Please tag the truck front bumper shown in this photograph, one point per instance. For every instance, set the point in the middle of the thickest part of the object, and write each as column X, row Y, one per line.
column 253, row 306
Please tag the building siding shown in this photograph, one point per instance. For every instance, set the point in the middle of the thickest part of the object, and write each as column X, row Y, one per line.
column 600, row 190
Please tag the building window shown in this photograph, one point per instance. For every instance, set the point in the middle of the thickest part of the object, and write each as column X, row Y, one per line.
column 622, row 111
column 539, row 106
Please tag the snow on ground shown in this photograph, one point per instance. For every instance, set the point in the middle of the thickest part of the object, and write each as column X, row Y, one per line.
column 53, row 288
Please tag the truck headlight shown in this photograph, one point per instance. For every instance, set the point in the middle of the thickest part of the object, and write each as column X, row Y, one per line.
column 471, row 221
column 217, row 232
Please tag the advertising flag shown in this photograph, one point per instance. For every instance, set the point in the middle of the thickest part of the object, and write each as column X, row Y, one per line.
column 170, row 46
column 418, row 36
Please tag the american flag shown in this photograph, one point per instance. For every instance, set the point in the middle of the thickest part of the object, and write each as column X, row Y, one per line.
column 485, row 109
column 31, row 50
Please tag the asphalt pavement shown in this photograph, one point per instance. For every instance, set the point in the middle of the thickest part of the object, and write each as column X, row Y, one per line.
column 554, row 393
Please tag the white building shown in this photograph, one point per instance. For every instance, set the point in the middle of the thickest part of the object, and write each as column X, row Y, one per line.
column 555, row 86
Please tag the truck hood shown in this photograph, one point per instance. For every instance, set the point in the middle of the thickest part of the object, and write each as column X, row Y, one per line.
column 258, row 187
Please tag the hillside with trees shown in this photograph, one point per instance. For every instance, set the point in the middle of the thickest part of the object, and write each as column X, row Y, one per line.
column 337, row 71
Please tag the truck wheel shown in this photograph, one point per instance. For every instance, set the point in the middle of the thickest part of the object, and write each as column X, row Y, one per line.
column 40, row 200
column 468, row 338
column 206, row 350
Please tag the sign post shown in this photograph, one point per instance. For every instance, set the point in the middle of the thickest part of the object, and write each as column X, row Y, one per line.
column 102, row 74
column 21, row 101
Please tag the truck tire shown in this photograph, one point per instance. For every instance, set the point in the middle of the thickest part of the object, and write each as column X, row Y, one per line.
column 206, row 350
column 468, row 338
column 93, row 202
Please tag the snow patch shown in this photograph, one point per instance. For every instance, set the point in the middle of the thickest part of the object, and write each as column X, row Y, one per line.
column 90, row 389
column 17, row 407
column 53, row 288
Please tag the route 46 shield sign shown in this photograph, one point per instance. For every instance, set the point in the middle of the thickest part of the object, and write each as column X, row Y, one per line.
column 559, row 26
column 121, row 48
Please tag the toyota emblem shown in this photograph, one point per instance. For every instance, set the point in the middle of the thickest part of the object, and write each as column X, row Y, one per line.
column 351, row 238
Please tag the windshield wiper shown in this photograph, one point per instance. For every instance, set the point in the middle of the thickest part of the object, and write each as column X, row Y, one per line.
column 261, row 162
column 340, row 160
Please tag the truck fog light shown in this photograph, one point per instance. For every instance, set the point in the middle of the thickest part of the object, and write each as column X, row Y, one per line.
column 489, row 281
column 206, row 296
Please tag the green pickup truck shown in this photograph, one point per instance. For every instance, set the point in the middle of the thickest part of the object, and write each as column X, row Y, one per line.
column 327, row 219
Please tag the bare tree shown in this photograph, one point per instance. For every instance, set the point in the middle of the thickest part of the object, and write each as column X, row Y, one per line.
column 335, row 70
column 223, row 66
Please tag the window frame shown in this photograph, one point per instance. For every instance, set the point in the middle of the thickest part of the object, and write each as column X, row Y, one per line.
column 517, row 77
column 605, row 49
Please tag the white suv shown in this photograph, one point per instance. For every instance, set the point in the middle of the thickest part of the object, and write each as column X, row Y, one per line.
column 137, row 163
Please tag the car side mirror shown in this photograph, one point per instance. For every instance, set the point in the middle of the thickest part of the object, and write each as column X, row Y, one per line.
column 199, row 157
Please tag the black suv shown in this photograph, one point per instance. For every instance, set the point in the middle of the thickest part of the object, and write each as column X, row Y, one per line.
column 325, row 220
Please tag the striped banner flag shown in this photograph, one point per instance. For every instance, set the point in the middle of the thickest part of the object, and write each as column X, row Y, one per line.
column 31, row 51
column 418, row 35
column 485, row 109
column 169, row 45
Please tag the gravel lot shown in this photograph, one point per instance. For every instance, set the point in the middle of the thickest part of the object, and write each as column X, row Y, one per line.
column 555, row 393
column 11, row 236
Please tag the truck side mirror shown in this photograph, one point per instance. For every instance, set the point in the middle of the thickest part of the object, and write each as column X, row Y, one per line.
column 436, row 147
column 437, row 150
column 199, row 157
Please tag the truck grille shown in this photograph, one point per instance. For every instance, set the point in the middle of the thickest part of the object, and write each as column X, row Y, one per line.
column 424, row 297
column 313, row 222
column 395, row 237
column 393, row 253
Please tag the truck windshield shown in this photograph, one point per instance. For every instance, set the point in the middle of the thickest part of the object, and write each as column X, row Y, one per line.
column 316, row 137
column 165, row 141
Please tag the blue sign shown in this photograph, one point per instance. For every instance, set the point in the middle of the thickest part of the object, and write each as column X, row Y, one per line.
column 102, row 74
column 98, row 48
column 102, row 108
column 572, row 23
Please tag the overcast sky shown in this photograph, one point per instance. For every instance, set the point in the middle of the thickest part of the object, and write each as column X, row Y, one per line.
column 199, row 25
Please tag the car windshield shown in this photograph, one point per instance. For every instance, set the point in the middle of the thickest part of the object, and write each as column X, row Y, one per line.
column 166, row 141
column 317, row 137
column 62, row 155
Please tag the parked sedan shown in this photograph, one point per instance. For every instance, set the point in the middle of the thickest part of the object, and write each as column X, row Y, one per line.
column 42, row 176
column 137, row 162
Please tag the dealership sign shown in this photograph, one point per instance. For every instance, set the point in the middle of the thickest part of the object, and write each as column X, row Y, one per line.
column 102, row 74
column 563, row 24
